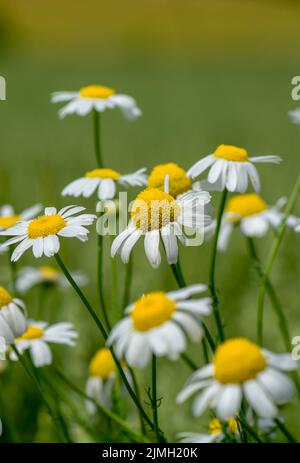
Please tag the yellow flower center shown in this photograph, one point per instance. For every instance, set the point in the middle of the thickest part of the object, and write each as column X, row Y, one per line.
column 152, row 310
column 45, row 225
column 103, row 173
column 96, row 91
column 49, row 273
column 245, row 205
column 33, row 332
column 5, row 297
column 215, row 426
column 9, row 221
column 153, row 209
column 102, row 364
column 231, row 153
column 179, row 182
column 238, row 360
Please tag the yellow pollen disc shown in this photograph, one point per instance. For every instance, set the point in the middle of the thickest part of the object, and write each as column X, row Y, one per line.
column 153, row 209
column 45, row 225
column 96, row 91
column 215, row 426
column 152, row 310
column 231, row 153
column 179, row 182
column 246, row 205
column 238, row 360
column 9, row 221
column 5, row 297
column 103, row 173
column 49, row 273
column 33, row 332
column 102, row 364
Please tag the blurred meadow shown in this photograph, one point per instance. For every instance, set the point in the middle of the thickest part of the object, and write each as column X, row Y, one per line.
column 204, row 73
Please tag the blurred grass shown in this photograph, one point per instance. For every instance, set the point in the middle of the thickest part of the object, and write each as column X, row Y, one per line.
column 207, row 75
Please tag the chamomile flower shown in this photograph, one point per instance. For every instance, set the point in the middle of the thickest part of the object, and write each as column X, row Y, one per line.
column 157, row 215
column 101, row 381
column 42, row 234
column 230, row 168
column 28, row 277
column 241, row 369
column 13, row 322
column 98, row 98
column 216, row 432
column 8, row 216
column 37, row 337
column 159, row 323
column 105, row 181
column 254, row 217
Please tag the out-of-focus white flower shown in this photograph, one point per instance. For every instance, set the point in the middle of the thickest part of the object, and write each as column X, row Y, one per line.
column 216, row 432
column 98, row 98
column 254, row 217
column 29, row 277
column 37, row 337
column 13, row 321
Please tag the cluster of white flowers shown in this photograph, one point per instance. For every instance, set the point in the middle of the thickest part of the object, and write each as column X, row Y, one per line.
column 157, row 323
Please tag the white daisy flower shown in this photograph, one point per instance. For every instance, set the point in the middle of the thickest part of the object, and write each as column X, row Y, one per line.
column 254, row 217
column 159, row 323
column 241, row 369
column 101, row 381
column 105, row 181
column 98, row 98
column 157, row 215
column 28, row 277
column 8, row 216
column 37, row 337
column 13, row 321
column 230, row 168
column 42, row 234
column 216, row 432
column 295, row 115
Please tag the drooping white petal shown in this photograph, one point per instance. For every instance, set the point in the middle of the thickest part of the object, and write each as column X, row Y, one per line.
column 229, row 401
column 259, row 399
column 151, row 245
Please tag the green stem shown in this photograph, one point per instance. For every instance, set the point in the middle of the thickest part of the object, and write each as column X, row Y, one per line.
column 285, row 431
column 250, row 430
column 154, row 400
column 271, row 258
column 283, row 325
column 137, row 393
column 13, row 271
column 100, row 281
column 104, row 334
column 127, row 283
column 97, row 138
column 212, row 271
column 33, row 376
column 114, row 286
column 189, row 362
column 105, row 411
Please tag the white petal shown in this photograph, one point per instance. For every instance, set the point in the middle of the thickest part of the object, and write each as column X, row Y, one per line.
column 188, row 291
column 206, row 399
column 201, row 166
column 229, row 401
column 259, row 400
column 279, row 385
column 41, row 354
column 151, row 245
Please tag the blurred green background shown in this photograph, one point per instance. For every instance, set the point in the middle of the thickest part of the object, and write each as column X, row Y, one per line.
column 204, row 73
